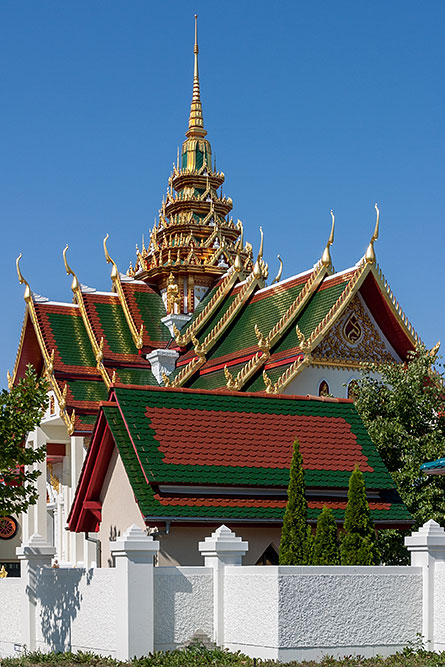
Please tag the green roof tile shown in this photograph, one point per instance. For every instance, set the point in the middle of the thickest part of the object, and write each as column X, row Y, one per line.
column 152, row 309
column 72, row 340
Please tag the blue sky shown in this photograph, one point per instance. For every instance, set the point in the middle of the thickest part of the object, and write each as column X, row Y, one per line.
column 308, row 106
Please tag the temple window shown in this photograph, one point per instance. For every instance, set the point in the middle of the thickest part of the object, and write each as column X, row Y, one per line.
column 323, row 388
column 352, row 390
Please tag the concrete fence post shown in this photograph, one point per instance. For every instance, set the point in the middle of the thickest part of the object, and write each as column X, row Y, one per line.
column 33, row 556
column 222, row 548
column 427, row 548
column 134, row 553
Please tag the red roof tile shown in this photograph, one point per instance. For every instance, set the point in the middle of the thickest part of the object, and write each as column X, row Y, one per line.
column 216, row 438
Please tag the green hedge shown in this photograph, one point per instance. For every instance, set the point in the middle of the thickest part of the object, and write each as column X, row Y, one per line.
column 201, row 657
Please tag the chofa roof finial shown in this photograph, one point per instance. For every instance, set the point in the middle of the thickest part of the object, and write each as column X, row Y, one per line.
column 326, row 257
column 28, row 294
column 370, row 254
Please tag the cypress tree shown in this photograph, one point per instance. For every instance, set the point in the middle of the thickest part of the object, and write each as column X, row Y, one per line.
column 296, row 537
column 326, row 550
column 359, row 542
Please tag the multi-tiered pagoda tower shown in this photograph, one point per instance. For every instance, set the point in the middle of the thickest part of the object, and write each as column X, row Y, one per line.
column 194, row 241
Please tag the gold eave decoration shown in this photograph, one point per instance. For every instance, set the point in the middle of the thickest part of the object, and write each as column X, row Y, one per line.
column 97, row 346
column 224, row 288
column 115, row 277
column 395, row 306
column 201, row 348
column 48, row 357
column 308, row 344
column 319, row 272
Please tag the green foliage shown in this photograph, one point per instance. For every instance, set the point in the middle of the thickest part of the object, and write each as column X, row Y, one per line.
column 359, row 541
column 404, row 414
column 21, row 410
column 296, row 537
column 202, row 657
column 326, row 550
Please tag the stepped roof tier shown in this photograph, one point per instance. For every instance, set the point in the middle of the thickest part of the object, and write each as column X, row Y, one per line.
column 236, row 332
column 232, row 462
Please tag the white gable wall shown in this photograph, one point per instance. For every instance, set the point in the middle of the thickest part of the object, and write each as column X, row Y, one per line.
column 119, row 507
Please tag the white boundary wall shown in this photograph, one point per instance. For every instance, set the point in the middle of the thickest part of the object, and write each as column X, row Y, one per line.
column 183, row 603
column 301, row 613
column 284, row 613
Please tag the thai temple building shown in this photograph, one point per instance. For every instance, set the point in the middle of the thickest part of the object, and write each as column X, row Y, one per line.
column 175, row 397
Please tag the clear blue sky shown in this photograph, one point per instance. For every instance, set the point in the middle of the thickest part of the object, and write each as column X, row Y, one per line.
column 308, row 106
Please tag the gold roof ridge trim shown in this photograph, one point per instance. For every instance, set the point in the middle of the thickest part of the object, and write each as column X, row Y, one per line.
column 97, row 347
column 316, row 277
column 48, row 357
column 202, row 348
column 308, row 344
column 223, row 289
column 395, row 306
column 115, row 277
column 220, row 326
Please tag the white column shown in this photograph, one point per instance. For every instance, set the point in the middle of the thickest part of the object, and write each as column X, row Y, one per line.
column 222, row 548
column 40, row 518
column 134, row 553
column 427, row 548
column 33, row 556
column 77, row 455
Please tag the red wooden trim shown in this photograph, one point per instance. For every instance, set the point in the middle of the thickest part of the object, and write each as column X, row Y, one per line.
column 55, row 449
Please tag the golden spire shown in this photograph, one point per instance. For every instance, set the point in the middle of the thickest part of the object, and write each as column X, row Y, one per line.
column 196, row 122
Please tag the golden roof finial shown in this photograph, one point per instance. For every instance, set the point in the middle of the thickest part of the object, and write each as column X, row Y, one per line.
column 28, row 294
column 434, row 350
column 114, row 270
column 326, row 257
column 257, row 272
column 370, row 254
column 196, row 122
column 10, row 381
column 69, row 271
column 280, row 271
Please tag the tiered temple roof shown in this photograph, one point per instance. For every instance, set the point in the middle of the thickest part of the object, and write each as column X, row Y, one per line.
column 236, row 333
column 232, row 462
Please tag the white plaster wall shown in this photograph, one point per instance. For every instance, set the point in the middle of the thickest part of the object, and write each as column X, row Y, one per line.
column 342, row 610
column 119, row 507
column 251, row 610
column 183, row 604
column 439, row 607
column 295, row 613
column 76, row 610
column 10, row 615
column 308, row 381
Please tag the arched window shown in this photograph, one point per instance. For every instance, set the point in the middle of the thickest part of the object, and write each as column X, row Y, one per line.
column 352, row 390
column 323, row 388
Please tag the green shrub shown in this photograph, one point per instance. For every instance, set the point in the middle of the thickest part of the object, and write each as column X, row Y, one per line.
column 296, row 537
column 359, row 542
column 326, row 550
